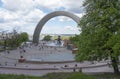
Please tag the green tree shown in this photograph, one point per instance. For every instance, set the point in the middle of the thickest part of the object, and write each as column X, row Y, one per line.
column 24, row 37
column 100, row 30
column 13, row 39
column 47, row 38
column 74, row 40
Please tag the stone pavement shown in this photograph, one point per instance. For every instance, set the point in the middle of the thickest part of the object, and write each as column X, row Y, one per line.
column 9, row 62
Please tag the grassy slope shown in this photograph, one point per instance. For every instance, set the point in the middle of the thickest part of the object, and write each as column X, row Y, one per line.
column 62, row 76
column 67, row 76
column 49, row 76
column 18, row 77
column 107, row 76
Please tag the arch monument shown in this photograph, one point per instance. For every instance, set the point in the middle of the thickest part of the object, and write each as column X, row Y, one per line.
column 48, row 17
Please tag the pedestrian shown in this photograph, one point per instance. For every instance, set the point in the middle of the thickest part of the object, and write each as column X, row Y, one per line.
column 73, row 69
column 80, row 70
column 75, row 65
column 24, row 50
column 40, row 48
column 5, row 63
column 65, row 66
column 20, row 51
column 8, row 52
column 15, row 64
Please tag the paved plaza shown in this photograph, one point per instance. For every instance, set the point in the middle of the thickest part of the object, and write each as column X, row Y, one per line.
column 45, row 64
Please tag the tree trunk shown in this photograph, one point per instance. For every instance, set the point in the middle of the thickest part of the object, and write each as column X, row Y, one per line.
column 115, row 65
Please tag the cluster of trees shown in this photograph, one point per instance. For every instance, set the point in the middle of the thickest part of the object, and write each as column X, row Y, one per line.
column 74, row 40
column 13, row 39
column 100, row 32
column 47, row 38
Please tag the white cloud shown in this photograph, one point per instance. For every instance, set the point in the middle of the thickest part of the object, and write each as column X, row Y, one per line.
column 71, row 28
column 10, row 19
column 79, row 14
column 25, row 14
column 15, row 5
column 8, row 15
column 72, row 5
column 34, row 15
column 50, row 4
column 64, row 18
column 26, row 5
column 60, row 30
column 69, row 5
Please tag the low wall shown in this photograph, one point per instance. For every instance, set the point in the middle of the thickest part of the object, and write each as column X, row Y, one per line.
column 48, row 62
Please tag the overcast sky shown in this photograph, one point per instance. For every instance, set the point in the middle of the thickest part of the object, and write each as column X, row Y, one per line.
column 24, row 15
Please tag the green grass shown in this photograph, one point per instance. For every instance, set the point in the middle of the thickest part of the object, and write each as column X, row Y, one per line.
column 67, row 76
column 4, row 76
column 107, row 76
column 49, row 76
column 62, row 75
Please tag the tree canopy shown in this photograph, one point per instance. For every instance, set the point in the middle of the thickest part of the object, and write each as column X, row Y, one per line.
column 24, row 37
column 100, row 31
column 13, row 39
column 47, row 38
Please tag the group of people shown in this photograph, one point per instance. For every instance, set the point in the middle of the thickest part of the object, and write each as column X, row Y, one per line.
column 75, row 68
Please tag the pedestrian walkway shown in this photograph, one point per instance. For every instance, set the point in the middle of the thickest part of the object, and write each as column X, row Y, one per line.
column 9, row 61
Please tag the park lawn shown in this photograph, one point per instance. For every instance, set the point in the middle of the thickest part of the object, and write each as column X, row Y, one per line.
column 5, row 76
column 107, row 76
column 49, row 76
column 62, row 75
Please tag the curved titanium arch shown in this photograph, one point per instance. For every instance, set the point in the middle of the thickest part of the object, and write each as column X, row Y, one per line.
column 49, row 16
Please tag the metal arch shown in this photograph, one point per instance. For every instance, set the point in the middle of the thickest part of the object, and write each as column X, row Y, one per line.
column 49, row 16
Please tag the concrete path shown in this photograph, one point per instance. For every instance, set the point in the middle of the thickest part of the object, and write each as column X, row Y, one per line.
column 9, row 62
